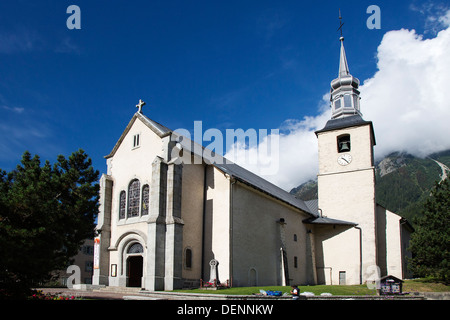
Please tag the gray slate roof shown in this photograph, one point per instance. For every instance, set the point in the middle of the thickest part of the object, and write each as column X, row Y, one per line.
column 243, row 175
column 313, row 205
column 158, row 128
column 263, row 185
column 326, row 220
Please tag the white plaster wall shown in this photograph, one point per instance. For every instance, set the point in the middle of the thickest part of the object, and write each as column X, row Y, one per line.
column 361, row 149
column 130, row 163
column 257, row 243
column 350, row 198
column 337, row 249
column 192, row 215
column 217, row 223
column 348, row 193
column 393, row 245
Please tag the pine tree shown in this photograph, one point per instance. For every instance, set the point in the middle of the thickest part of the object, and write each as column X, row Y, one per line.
column 431, row 239
column 46, row 213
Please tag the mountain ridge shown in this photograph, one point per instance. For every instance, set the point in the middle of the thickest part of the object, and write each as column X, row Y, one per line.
column 403, row 181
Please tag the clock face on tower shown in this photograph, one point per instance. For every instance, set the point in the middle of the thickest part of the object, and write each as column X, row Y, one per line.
column 344, row 159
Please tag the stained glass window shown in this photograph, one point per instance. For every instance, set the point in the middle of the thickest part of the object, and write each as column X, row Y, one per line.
column 136, row 248
column 134, row 190
column 145, row 199
column 122, row 204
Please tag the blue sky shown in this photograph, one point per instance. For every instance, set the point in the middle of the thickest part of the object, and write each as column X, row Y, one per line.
column 231, row 64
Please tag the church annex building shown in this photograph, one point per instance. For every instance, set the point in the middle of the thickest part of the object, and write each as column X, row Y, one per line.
column 162, row 222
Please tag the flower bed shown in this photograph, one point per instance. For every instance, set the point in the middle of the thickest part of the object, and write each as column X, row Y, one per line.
column 39, row 295
column 206, row 285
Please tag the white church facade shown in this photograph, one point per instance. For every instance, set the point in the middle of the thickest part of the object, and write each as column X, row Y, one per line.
column 161, row 220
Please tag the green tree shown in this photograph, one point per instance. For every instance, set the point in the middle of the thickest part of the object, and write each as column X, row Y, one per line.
column 431, row 239
column 46, row 213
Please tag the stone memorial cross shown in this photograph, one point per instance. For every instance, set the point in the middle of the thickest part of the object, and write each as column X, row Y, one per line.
column 214, row 275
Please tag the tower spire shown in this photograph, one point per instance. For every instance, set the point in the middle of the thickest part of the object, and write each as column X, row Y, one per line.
column 344, row 89
column 343, row 66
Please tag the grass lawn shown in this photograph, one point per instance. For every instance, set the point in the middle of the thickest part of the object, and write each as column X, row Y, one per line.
column 418, row 285
column 317, row 290
column 424, row 285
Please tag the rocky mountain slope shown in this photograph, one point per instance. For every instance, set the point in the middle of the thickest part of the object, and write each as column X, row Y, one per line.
column 403, row 181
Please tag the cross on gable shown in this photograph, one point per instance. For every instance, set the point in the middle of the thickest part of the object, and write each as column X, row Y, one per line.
column 140, row 105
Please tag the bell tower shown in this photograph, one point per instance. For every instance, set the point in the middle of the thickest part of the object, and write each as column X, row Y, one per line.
column 346, row 178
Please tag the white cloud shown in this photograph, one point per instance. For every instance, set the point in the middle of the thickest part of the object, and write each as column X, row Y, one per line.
column 67, row 46
column 24, row 40
column 13, row 109
column 23, row 129
column 21, row 40
column 406, row 100
column 297, row 156
column 437, row 16
column 445, row 19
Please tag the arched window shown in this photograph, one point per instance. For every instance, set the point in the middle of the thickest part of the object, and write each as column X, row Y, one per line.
column 134, row 190
column 145, row 199
column 188, row 258
column 252, row 277
column 122, row 204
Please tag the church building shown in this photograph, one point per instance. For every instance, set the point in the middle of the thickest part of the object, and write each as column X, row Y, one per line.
column 165, row 224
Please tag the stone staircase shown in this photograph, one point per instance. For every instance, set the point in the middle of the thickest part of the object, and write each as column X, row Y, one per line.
column 123, row 290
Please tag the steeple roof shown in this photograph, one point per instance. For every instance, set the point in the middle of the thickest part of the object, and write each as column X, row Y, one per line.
column 343, row 66
column 344, row 89
column 347, row 122
column 344, row 78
